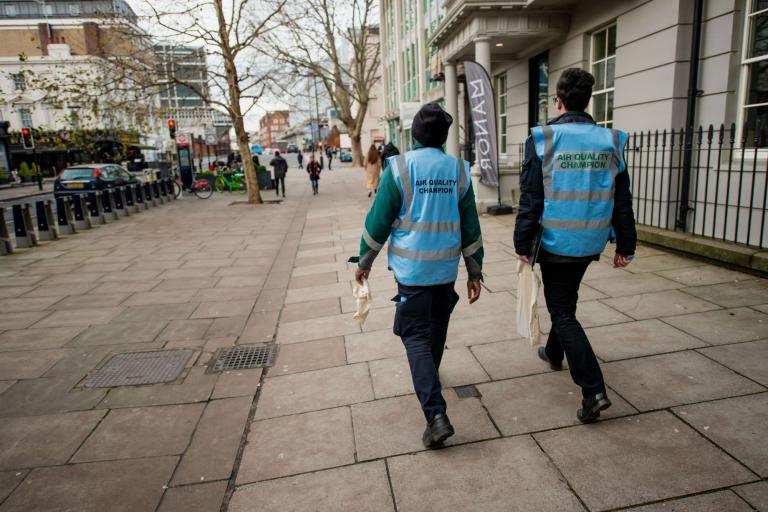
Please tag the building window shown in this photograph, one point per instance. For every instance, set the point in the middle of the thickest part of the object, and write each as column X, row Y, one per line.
column 25, row 115
column 48, row 10
column 754, row 78
column 603, row 67
column 501, row 111
column 19, row 82
column 74, row 9
column 11, row 10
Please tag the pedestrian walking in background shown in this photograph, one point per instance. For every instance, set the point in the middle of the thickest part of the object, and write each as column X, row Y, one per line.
column 575, row 194
column 279, row 169
column 372, row 170
column 329, row 154
column 300, row 158
column 255, row 160
column 425, row 206
column 314, row 169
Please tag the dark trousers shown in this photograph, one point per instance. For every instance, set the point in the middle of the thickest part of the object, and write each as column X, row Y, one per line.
column 561, row 291
column 278, row 182
column 421, row 321
column 315, row 185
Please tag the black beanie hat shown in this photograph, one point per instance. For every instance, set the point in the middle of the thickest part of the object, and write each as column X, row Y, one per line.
column 430, row 125
column 389, row 150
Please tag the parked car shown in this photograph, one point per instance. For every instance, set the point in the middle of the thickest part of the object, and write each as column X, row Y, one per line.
column 345, row 155
column 292, row 148
column 92, row 178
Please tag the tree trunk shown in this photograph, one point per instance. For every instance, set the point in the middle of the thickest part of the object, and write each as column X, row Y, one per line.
column 357, row 151
column 251, row 181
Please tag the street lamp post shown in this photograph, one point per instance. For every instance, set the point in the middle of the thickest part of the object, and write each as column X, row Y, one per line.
column 317, row 113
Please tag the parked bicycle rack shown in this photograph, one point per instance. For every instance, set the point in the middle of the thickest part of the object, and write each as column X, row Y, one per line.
column 106, row 201
column 95, row 208
column 148, row 196
column 22, row 225
column 82, row 220
column 6, row 247
column 46, row 225
column 64, row 216
column 130, row 204
column 141, row 204
column 119, row 201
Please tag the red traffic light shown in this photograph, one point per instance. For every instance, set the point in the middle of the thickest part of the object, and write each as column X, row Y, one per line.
column 27, row 140
column 25, row 131
column 172, row 128
column 171, row 123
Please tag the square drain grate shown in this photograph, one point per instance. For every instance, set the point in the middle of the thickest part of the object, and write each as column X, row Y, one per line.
column 134, row 368
column 467, row 392
column 243, row 357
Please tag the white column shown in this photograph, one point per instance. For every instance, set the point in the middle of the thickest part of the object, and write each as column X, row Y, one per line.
column 483, row 52
column 452, row 106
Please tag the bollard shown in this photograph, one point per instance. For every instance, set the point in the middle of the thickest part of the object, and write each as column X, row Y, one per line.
column 148, row 196
column 64, row 215
column 163, row 192
column 82, row 221
column 46, row 226
column 94, row 207
column 169, row 189
column 141, row 203
column 130, row 204
column 6, row 247
column 118, row 195
column 22, row 224
column 156, row 192
column 109, row 208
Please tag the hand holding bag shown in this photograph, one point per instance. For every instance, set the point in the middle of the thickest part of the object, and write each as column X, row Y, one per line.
column 362, row 295
column 527, row 296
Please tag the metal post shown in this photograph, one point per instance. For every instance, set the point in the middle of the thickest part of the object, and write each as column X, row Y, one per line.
column 690, row 115
column 22, row 225
column 130, row 205
column 119, row 199
column 64, row 215
column 95, row 208
column 81, row 208
column 6, row 247
column 46, row 226
column 106, row 202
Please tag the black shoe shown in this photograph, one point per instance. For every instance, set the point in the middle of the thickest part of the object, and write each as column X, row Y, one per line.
column 543, row 356
column 591, row 407
column 438, row 430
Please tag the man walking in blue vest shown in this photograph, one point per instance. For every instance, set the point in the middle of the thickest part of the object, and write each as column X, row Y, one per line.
column 575, row 195
column 426, row 208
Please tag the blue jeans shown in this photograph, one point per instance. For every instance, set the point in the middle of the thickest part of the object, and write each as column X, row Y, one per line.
column 421, row 321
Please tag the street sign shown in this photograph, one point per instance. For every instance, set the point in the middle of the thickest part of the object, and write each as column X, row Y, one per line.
column 210, row 139
column 183, row 139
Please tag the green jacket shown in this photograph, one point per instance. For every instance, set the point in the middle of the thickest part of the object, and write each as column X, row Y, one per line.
column 386, row 208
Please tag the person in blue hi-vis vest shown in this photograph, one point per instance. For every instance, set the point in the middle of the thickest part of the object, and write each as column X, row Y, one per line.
column 425, row 207
column 575, row 196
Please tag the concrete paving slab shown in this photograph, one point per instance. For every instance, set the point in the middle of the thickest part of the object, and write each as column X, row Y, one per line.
column 211, row 454
column 638, row 459
column 185, row 284
column 659, row 304
column 60, row 290
column 325, row 278
column 358, row 488
column 378, row 318
column 755, row 494
column 28, row 365
column 633, row 284
column 724, row 326
column 194, row 498
column 7, row 292
column 21, row 304
column 463, row 332
column 237, row 383
column 590, row 314
column 226, row 327
column 44, row 440
column 317, row 328
column 540, row 402
column 223, row 309
column 119, row 333
column 117, row 486
column 270, row 300
column 21, row 320
column 182, row 297
column 260, row 327
column 508, row 359
column 492, row 476
column 196, row 387
column 47, row 396
column 184, row 330
column 394, row 426
column 737, row 425
column 296, row 444
column 657, row 382
column 5, row 384
column 310, row 355
column 712, row 502
column 317, row 292
column 704, row 275
column 141, row 432
column 76, row 317
column 80, row 361
column 219, row 293
column 734, row 294
column 636, row 339
column 143, row 275
column 92, row 300
column 239, row 281
column 315, row 390
column 369, row 346
column 747, row 359
column 662, row 262
column 9, row 480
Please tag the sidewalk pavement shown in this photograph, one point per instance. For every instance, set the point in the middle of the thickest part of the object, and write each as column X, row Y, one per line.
column 8, row 193
column 334, row 425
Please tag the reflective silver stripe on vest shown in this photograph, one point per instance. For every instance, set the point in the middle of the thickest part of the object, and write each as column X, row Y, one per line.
column 373, row 244
column 444, row 254
column 549, row 157
column 591, row 195
column 472, row 248
column 462, row 178
column 617, row 152
column 405, row 181
column 431, row 227
column 576, row 224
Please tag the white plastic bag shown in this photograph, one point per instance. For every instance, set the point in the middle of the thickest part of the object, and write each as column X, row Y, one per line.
column 362, row 295
column 527, row 294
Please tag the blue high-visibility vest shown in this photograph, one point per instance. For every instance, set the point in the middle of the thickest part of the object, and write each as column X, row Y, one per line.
column 580, row 162
column 425, row 242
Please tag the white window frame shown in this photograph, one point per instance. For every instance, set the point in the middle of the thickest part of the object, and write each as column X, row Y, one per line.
column 744, row 74
column 73, row 9
column 19, row 81
column 48, row 10
column 501, row 114
column 605, row 59
column 11, row 10
column 21, row 110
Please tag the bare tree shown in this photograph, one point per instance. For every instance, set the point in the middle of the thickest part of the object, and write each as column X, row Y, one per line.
column 337, row 42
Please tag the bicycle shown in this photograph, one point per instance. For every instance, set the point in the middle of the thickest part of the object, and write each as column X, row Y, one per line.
column 200, row 187
column 236, row 181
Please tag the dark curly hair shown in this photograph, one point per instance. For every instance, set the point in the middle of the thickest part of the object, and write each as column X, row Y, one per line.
column 574, row 88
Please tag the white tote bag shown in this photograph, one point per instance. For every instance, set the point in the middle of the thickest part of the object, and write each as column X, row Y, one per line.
column 527, row 295
column 362, row 296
